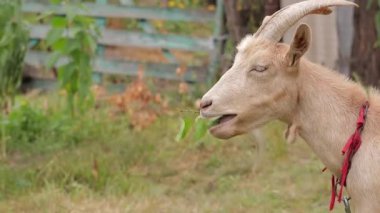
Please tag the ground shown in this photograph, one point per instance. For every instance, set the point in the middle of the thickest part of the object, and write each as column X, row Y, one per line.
column 112, row 168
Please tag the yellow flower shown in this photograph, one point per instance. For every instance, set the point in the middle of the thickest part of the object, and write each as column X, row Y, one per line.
column 171, row 3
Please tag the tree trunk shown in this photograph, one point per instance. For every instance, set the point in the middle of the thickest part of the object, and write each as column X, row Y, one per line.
column 272, row 6
column 234, row 21
column 243, row 17
column 366, row 57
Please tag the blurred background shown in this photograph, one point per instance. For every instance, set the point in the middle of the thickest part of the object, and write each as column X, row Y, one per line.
column 98, row 103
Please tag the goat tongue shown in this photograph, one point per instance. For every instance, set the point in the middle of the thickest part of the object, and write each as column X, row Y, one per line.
column 225, row 118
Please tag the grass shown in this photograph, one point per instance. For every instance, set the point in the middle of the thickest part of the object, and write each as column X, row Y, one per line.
column 100, row 164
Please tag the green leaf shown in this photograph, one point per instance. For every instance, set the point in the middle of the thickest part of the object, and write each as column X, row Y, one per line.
column 54, row 35
column 71, row 46
column 65, row 73
column 71, row 13
column 55, row 1
column 5, row 39
column 60, row 44
column 53, row 59
column 184, row 129
column 90, row 42
column 59, row 22
column 201, row 127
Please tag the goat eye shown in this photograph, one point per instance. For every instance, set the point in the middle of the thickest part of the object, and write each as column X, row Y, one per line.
column 259, row 68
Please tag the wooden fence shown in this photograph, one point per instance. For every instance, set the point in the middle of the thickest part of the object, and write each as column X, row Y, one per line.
column 149, row 38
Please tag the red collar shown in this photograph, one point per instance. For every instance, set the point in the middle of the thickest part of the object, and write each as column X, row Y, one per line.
column 349, row 150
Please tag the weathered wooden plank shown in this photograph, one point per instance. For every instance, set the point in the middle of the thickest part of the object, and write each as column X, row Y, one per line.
column 43, row 84
column 215, row 55
column 102, row 23
column 120, row 11
column 111, row 66
column 146, row 40
column 51, row 84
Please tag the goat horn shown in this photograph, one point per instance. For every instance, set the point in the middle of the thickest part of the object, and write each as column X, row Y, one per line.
column 274, row 27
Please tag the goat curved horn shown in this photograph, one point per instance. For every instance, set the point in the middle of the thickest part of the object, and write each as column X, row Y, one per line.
column 274, row 27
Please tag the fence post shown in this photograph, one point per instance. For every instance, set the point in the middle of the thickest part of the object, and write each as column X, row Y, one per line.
column 217, row 41
column 101, row 22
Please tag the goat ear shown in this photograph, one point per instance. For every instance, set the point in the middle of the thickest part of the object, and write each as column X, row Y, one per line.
column 299, row 46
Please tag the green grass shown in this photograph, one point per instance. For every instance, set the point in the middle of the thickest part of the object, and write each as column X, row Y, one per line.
column 99, row 164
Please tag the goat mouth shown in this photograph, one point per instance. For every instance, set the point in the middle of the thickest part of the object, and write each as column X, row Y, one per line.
column 222, row 120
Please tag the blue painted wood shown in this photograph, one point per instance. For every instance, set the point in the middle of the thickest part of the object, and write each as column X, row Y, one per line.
column 169, row 56
column 149, row 39
column 51, row 84
column 125, row 38
column 218, row 40
column 33, row 43
column 119, row 11
column 146, row 26
column 121, row 67
column 101, row 22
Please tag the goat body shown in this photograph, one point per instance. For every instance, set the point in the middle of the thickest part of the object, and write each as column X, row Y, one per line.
column 326, row 117
column 269, row 81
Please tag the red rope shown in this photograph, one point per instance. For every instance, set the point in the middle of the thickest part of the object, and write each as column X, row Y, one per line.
column 349, row 150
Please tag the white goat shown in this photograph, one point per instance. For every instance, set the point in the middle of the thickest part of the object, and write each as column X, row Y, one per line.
column 270, row 80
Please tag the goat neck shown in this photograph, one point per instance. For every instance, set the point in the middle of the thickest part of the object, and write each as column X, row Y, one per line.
column 328, row 105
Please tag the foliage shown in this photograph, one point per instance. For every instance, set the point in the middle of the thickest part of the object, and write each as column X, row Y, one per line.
column 29, row 126
column 73, row 37
column 197, row 128
column 26, row 124
column 13, row 45
column 140, row 104
column 96, row 163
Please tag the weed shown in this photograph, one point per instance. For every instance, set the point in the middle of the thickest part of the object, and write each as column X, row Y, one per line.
column 13, row 46
column 73, row 37
column 110, row 167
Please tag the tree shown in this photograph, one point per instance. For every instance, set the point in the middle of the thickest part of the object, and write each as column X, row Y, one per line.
column 272, row 6
column 243, row 17
column 365, row 55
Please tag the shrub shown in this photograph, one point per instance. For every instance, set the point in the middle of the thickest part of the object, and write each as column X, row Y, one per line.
column 13, row 46
column 25, row 124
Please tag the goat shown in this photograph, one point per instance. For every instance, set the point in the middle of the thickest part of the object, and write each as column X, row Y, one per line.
column 273, row 81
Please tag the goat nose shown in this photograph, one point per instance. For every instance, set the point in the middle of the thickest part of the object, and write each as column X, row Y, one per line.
column 205, row 104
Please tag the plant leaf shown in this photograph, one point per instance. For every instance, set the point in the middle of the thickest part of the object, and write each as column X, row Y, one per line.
column 59, row 22
column 184, row 129
column 54, row 35
column 53, row 60
column 60, row 44
column 55, row 1
column 201, row 127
